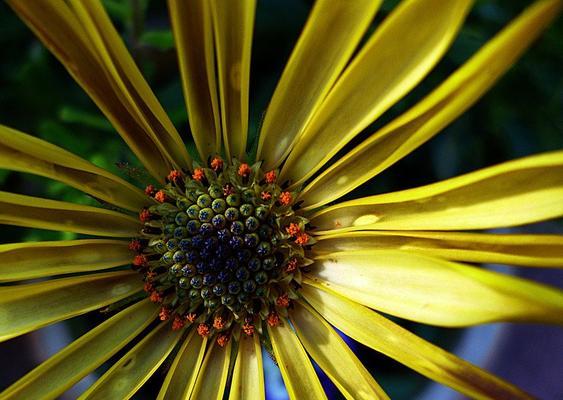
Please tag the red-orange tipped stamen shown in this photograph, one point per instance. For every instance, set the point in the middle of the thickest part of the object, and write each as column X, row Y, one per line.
column 160, row 196
column 164, row 314
column 216, row 164
column 135, row 245
column 178, row 323
column 174, row 175
column 293, row 229
column 273, row 319
column 285, row 198
column 291, row 265
column 203, row 330
column 265, row 196
column 198, row 174
column 248, row 329
column 270, row 176
column 244, row 170
column 145, row 215
column 283, row 300
column 150, row 190
column 302, row 239
column 219, row 323
column 222, row 340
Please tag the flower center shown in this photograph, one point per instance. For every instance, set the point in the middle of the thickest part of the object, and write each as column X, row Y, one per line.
column 221, row 247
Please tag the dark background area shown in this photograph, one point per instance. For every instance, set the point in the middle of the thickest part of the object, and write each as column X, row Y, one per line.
column 521, row 115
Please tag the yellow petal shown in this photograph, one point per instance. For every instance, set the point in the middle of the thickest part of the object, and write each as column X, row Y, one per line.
column 396, row 58
column 126, row 376
column 377, row 332
column 435, row 291
column 134, row 89
column 87, row 58
column 233, row 23
column 515, row 249
column 20, row 261
column 248, row 375
column 24, row 308
column 413, row 128
column 193, row 33
column 298, row 373
column 21, row 152
column 181, row 377
column 334, row 356
column 212, row 378
column 518, row 192
column 34, row 212
column 333, row 30
column 72, row 363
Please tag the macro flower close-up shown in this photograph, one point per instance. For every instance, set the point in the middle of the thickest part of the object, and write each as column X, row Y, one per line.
column 238, row 234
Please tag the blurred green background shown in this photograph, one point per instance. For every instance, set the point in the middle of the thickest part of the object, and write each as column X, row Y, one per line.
column 521, row 115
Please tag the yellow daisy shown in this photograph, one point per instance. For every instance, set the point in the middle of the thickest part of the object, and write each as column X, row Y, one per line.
column 233, row 257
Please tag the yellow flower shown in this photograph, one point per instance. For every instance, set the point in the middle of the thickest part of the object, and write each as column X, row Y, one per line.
column 241, row 256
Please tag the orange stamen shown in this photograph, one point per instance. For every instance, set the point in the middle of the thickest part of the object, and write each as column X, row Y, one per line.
column 160, row 196
column 174, row 175
column 198, row 174
column 216, row 164
column 191, row 317
column 302, row 239
column 150, row 190
column 155, row 297
column 219, row 323
column 164, row 314
column 145, row 215
column 270, row 176
column 291, row 265
column 178, row 323
column 273, row 319
column 203, row 330
column 140, row 261
column 285, row 198
column 244, row 170
column 293, row 229
column 148, row 287
column 135, row 246
column 283, row 301
column 222, row 340
column 248, row 329
column 266, row 195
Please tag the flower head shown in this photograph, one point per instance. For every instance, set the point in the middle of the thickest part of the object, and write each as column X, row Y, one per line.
column 239, row 251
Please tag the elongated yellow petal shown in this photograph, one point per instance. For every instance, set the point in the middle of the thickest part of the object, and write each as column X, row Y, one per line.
column 413, row 128
column 126, row 376
column 86, row 55
column 84, row 355
column 193, row 33
column 181, row 377
column 526, row 250
column 398, row 55
column 377, row 332
column 248, row 376
column 21, row 152
column 298, row 373
column 332, row 33
column 20, row 261
column 434, row 291
column 233, row 23
column 334, row 356
column 518, row 192
column 24, row 308
column 126, row 75
column 34, row 212
column 212, row 379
